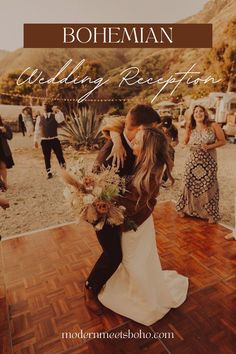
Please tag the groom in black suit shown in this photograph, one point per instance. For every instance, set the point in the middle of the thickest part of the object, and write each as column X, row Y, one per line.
column 110, row 236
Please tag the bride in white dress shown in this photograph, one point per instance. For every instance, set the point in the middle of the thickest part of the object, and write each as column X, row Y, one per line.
column 140, row 289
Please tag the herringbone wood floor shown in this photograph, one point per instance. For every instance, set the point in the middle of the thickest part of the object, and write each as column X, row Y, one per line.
column 41, row 291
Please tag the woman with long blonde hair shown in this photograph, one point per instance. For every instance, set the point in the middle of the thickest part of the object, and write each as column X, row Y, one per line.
column 150, row 147
column 150, row 161
column 139, row 289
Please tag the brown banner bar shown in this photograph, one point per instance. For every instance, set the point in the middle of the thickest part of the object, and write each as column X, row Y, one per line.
column 177, row 35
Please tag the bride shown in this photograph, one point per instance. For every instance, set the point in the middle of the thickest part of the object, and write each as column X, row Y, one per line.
column 139, row 289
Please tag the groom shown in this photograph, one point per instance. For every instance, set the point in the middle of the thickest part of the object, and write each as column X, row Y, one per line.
column 110, row 236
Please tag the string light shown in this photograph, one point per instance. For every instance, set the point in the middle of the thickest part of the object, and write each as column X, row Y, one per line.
column 164, row 97
column 66, row 99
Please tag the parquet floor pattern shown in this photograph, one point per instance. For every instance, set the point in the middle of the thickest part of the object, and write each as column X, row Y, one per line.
column 41, row 291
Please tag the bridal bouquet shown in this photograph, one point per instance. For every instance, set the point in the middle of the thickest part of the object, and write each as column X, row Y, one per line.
column 92, row 195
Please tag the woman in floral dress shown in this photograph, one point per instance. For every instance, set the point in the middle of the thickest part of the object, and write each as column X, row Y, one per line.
column 200, row 195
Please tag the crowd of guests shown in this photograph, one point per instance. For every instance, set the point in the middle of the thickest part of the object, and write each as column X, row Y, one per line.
column 128, row 278
column 200, row 193
column 43, row 129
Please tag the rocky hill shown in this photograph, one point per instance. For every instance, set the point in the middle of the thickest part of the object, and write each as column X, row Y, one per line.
column 152, row 63
column 50, row 59
column 216, row 61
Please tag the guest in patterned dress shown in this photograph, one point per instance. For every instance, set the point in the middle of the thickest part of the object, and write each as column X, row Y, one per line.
column 200, row 195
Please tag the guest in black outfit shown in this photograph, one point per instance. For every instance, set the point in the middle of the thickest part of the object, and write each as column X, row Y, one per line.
column 110, row 236
column 46, row 132
column 171, row 133
column 6, row 160
column 21, row 121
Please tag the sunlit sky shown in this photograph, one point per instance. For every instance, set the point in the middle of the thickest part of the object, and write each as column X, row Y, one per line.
column 14, row 13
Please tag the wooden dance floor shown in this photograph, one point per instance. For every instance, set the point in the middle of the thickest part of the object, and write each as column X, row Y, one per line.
column 41, row 292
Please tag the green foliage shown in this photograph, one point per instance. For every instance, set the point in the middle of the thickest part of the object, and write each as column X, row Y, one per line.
column 83, row 129
column 72, row 91
column 109, row 192
column 221, row 59
column 69, row 91
column 8, row 85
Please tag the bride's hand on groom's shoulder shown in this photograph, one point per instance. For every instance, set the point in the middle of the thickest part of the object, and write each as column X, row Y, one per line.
column 117, row 154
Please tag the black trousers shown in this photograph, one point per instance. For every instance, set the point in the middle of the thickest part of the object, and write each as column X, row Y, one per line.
column 47, row 147
column 110, row 240
column 22, row 127
column 172, row 157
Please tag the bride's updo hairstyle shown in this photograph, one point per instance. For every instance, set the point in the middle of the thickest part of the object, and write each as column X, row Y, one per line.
column 151, row 161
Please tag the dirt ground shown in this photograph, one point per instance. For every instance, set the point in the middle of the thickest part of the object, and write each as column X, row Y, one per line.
column 37, row 202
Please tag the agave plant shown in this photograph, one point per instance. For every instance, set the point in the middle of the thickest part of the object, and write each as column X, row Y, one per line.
column 83, row 129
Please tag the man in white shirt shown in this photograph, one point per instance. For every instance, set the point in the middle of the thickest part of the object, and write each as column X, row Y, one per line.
column 58, row 113
column 46, row 134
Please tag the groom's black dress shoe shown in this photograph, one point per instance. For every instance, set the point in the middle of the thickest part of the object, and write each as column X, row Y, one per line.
column 92, row 302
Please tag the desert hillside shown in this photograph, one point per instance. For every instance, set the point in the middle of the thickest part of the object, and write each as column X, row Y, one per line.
column 217, row 61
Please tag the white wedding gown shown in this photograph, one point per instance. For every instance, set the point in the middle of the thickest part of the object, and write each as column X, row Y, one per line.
column 140, row 289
